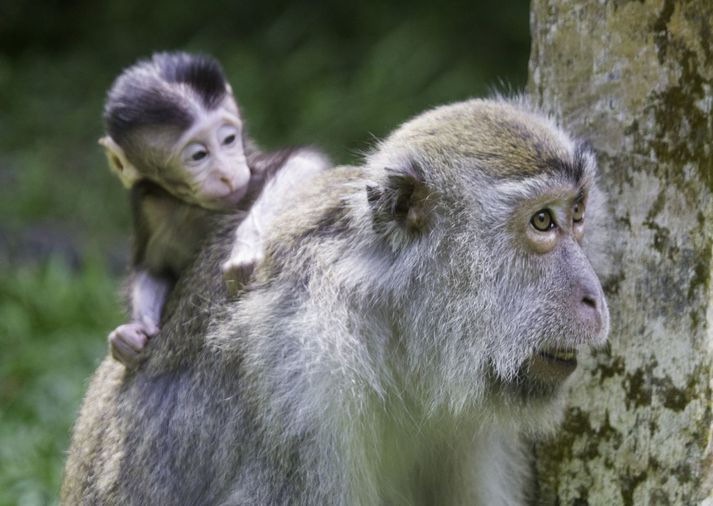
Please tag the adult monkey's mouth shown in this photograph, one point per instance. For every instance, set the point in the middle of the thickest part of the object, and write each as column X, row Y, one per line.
column 553, row 364
column 566, row 355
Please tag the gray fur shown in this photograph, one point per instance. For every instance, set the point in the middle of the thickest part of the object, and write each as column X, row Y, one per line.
column 369, row 363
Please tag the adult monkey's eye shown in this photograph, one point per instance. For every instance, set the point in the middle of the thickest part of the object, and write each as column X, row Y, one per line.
column 542, row 220
column 578, row 212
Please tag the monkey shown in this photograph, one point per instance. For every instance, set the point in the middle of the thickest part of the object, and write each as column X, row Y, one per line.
column 404, row 340
column 176, row 140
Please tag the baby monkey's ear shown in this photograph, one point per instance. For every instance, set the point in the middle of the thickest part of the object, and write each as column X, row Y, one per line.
column 118, row 162
column 401, row 207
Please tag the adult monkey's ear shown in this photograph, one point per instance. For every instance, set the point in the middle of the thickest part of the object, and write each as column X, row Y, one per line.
column 118, row 162
column 401, row 206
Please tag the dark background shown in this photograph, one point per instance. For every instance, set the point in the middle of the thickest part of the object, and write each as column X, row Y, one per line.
column 337, row 76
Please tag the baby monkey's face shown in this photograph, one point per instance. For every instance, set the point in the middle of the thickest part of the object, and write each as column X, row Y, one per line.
column 207, row 165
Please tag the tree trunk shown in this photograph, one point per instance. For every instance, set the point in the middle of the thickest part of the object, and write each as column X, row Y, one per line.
column 635, row 78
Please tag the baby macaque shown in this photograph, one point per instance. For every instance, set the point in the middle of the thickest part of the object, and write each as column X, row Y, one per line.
column 176, row 139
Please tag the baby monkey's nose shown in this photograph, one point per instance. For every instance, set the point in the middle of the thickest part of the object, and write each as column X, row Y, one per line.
column 228, row 182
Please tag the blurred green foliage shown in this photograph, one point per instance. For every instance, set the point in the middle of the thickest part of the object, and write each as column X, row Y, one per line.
column 51, row 326
column 338, row 76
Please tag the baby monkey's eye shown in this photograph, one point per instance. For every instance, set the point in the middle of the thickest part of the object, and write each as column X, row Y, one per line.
column 228, row 134
column 195, row 152
column 199, row 155
column 542, row 220
column 578, row 212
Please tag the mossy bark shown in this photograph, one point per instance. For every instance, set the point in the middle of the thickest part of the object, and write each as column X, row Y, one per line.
column 635, row 78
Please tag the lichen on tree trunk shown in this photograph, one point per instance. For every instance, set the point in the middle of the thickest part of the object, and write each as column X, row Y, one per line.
column 635, row 78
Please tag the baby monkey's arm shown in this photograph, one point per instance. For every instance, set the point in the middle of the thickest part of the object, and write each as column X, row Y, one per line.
column 148, row 295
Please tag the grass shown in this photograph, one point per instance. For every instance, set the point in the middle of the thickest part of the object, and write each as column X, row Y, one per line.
column 51, row 325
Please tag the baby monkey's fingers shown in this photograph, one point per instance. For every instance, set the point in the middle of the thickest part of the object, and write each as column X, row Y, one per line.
column 127, row 341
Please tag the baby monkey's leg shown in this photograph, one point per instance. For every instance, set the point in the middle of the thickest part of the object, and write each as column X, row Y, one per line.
column 248, row 248
column 246, row 253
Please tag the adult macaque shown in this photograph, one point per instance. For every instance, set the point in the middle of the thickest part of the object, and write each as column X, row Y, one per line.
column 177, row 140
column 409, row 328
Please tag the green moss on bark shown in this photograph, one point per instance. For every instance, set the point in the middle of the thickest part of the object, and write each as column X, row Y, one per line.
column 636, row 80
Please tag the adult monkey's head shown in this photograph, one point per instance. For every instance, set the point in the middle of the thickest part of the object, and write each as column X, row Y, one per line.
column 487, row 210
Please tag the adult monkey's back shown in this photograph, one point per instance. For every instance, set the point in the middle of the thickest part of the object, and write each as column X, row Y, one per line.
column 414, row 319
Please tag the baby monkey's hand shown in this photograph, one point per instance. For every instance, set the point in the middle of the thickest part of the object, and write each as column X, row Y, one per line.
column 128, row 340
